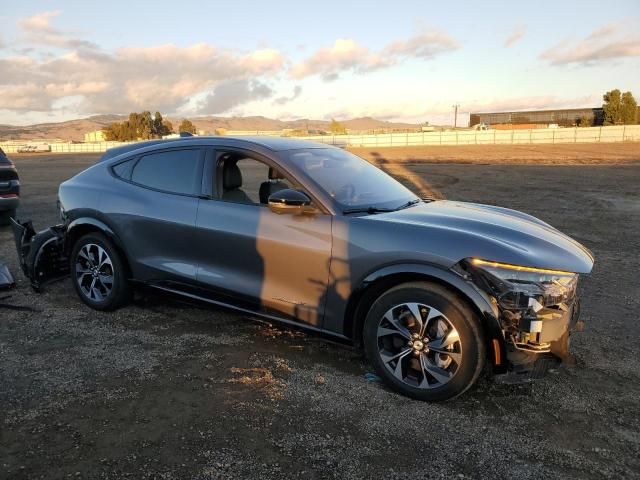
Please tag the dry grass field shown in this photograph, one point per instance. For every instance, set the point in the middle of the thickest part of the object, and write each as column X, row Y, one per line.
column 560, row 154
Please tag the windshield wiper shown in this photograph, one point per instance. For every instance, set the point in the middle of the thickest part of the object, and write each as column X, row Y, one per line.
column 369, row 210
column 372, row 209
column 408, row 204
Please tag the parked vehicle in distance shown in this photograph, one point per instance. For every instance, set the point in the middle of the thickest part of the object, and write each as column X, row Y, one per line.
column 34, row 148
column 314, row 236
column 9, row 189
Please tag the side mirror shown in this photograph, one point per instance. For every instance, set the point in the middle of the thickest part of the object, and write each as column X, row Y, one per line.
column 290, row 201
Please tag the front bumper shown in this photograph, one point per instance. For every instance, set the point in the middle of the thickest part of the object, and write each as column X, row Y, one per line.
column 535, row 344
column 535, row 311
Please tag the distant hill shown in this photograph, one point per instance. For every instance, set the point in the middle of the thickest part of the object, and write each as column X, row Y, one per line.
column 69, row 130
column 75, row 129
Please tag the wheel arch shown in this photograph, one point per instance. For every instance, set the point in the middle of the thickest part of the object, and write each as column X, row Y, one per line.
column 378, row 282
column 84, row 225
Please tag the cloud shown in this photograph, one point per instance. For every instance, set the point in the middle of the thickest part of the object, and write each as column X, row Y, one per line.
column 39, row 31
column 163, row 77
column 344, row 54
column 604, row 31
column 515, row 36
column 40, row 22
column 231, row 94
column 612, row 41
column 347, row 55
column 426, row 45
column 297, row 91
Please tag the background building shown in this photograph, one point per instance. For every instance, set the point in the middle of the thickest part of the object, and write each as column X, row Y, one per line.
column 538, row 118
column 96, row 136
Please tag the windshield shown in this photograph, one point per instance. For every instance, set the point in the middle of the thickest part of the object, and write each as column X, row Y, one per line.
column 351, row 181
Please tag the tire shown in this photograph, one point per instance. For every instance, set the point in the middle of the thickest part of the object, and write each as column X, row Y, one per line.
column 6, row 216
column 86, row 272
column 448, row 324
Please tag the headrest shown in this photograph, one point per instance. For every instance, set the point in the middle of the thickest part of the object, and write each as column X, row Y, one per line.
column 231, row 176
column 275, row 174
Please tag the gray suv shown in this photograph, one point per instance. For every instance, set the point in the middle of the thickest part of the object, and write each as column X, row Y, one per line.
column 310, row 235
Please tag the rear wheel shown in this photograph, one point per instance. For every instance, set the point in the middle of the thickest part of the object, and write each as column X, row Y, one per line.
column 98, row 273
column 424, row 341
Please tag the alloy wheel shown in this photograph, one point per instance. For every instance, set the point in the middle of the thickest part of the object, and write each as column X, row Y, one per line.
column 94, row 272
column 419, row 345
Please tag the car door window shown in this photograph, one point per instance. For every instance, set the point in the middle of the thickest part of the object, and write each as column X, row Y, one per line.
column 175, row 171
column 247, row 180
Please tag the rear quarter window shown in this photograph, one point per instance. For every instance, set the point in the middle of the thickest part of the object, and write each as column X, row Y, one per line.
column 174, row 171
column 123, row 169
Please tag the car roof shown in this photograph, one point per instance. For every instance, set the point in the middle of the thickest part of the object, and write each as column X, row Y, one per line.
column 276, row 144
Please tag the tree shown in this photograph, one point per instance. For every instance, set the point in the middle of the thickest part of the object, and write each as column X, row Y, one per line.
column 139, row 126
column 585, row 121
column 619, row 108
column 160, row 127
column 168, row 126
column 187, row 126
column 337, row 128
column 629, row 109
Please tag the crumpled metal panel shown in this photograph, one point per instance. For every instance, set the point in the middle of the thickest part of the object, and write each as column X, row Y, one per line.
column 6, row 279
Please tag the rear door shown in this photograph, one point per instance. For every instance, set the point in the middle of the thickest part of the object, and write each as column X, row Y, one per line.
column 153, row 210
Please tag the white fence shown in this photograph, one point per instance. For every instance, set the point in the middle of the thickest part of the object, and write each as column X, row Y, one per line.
column 13, row 146
column 488, row 137
column 459, row 137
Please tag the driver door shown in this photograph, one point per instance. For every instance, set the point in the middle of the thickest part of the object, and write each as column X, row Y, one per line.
column 269, row 262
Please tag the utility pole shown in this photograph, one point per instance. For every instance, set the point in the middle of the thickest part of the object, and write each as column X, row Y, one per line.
column 455, row 115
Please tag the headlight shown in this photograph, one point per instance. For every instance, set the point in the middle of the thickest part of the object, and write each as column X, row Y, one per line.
column 518, row 288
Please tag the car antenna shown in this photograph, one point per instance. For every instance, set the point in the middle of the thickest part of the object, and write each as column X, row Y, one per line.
column 186, row 134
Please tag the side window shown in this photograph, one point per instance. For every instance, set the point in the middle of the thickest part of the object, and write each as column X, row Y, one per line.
column 173, row 171
column 246, row 180
column 123, row 169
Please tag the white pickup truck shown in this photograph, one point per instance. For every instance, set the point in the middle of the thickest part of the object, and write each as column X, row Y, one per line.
column 34, row 148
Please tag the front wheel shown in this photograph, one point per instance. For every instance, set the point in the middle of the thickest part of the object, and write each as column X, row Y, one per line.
column 98, row 273
column 424, row 341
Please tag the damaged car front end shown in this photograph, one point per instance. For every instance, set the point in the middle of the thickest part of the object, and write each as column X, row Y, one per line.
column 538, row 309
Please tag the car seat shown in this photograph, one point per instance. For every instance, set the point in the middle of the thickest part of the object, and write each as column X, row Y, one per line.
column 272, row 185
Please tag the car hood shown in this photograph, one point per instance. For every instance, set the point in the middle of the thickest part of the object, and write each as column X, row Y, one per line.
column 458, row 230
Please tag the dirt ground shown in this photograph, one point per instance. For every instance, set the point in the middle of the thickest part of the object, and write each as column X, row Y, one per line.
column 163, row 389
column 561, row 154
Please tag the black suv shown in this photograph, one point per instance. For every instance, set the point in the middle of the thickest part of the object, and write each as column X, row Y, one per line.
column 9, row 189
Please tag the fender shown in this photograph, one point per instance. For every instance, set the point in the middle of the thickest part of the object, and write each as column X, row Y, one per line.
column 484, row 308
column 82, row 224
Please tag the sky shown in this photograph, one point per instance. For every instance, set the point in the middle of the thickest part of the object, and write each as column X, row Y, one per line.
column 408, row 61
